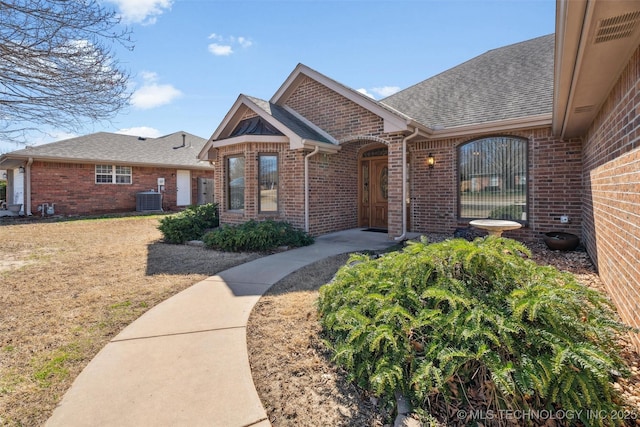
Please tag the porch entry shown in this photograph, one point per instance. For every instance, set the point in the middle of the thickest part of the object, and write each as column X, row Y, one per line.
column 373, row 172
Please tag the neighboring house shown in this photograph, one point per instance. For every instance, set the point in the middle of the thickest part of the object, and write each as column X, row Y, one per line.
column 105, row 172
column 551, row 126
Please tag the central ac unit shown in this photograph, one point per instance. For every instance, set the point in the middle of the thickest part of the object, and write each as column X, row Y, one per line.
column 148, row 201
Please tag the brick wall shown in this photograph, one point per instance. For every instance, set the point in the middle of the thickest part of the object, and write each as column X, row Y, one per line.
column 290, row 185
column 332, row 112
column 554, row 183
column 73, row 189
column 611, row 222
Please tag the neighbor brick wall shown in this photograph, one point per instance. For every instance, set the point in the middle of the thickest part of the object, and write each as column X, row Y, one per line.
column 554, row 184
column 611, row 224
column 73, row 189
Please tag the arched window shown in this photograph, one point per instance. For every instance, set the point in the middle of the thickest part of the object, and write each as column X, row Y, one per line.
column 492, row 178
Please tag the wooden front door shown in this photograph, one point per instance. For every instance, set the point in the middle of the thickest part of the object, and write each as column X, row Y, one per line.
column 374, row 174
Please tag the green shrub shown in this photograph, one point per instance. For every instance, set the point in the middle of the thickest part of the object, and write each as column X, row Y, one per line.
column 190, row 224
column 256, row 236
column 511, row 212
column 448, row 321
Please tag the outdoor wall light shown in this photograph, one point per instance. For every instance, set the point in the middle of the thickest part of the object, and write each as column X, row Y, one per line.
column 431, row 161
column 21, row 169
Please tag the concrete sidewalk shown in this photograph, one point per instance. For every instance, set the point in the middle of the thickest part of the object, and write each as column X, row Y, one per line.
column 185, row 361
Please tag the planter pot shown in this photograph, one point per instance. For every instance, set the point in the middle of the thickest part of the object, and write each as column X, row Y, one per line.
column 560, row 241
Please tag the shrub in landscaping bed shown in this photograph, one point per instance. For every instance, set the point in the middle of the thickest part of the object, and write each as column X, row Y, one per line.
column 474, row 326
column 190, row 224
column 256, row 236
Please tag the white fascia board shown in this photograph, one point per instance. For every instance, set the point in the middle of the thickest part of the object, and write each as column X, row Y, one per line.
column 537, row 121
column 223, row 124
column 569, row 26
column 243, row 139
column 243, row 100
column 323, row 146
column 392, row 122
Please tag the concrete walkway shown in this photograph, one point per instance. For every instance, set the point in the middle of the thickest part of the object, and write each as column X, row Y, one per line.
column 185, row 361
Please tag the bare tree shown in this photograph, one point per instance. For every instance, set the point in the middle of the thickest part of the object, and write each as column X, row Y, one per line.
column 57, row 68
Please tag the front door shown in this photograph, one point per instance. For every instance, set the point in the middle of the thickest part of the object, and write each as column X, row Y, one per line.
column 374, row 174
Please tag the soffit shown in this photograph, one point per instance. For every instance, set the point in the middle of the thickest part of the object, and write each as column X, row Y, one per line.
column 594, row 43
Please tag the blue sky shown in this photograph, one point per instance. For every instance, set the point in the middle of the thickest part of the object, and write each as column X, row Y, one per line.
column 192, row 58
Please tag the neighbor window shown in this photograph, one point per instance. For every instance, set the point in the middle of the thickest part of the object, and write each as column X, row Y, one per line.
column 268, row 182
column 493, row 178
column 235, row 183
column 112, row 174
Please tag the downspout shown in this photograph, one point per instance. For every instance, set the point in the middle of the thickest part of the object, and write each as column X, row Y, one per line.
column 27, row 188
column 306, row 186
column 404, row 185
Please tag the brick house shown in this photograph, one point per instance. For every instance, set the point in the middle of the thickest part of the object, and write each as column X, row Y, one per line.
column 532, row 132
column 106, row 172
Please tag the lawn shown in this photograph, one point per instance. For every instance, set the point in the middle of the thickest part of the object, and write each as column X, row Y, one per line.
column 67, row 288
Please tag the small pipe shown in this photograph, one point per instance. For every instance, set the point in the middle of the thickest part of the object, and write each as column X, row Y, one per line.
column 306, row 186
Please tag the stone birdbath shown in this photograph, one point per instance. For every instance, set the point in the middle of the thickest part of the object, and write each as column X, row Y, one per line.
column 495, row 227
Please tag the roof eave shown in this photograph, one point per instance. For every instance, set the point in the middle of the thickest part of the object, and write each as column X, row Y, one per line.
column 62, row 159
column 324, row 147
column 587, row 67
column 526, row 122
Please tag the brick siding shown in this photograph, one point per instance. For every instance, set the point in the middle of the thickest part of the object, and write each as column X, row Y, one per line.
column 611, row 221
column 72, row 187
column 554, row 184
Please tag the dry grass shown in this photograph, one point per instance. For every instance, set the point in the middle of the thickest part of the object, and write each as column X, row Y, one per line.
column 67, row 288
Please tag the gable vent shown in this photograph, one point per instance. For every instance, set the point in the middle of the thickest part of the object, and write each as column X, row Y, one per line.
column 617, row 27
column 584, row 109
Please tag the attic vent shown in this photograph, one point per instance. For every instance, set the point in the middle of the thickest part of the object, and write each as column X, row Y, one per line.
column 584, row 109
column 617, row 27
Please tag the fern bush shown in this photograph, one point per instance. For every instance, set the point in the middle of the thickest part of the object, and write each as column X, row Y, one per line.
column 190, row 224
column 444, row 321
column 256, row 236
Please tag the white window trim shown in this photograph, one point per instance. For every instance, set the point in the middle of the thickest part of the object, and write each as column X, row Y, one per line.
column 114, row 175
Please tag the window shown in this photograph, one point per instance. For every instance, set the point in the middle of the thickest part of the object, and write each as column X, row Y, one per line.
column 111, row 174
column 493, row 178
column 268, row 182
column 235, row 183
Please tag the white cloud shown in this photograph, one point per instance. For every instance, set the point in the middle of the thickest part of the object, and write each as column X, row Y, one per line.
column 379, row 92
column 143, row 12
column 364, row 92
column 244, row 42
column 220, row 50
column 223, row 46
column 143, row 131
column 153, row 94
column 385, row 91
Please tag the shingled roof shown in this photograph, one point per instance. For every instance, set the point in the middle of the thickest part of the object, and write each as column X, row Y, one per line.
column 165, row 151
column 505, row 83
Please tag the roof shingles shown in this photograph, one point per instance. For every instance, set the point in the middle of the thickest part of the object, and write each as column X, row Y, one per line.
column 509, row 82
column 123, row 149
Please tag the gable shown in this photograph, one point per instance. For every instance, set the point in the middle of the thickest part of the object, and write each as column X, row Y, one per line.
column 332, row 112
column 334, row 107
